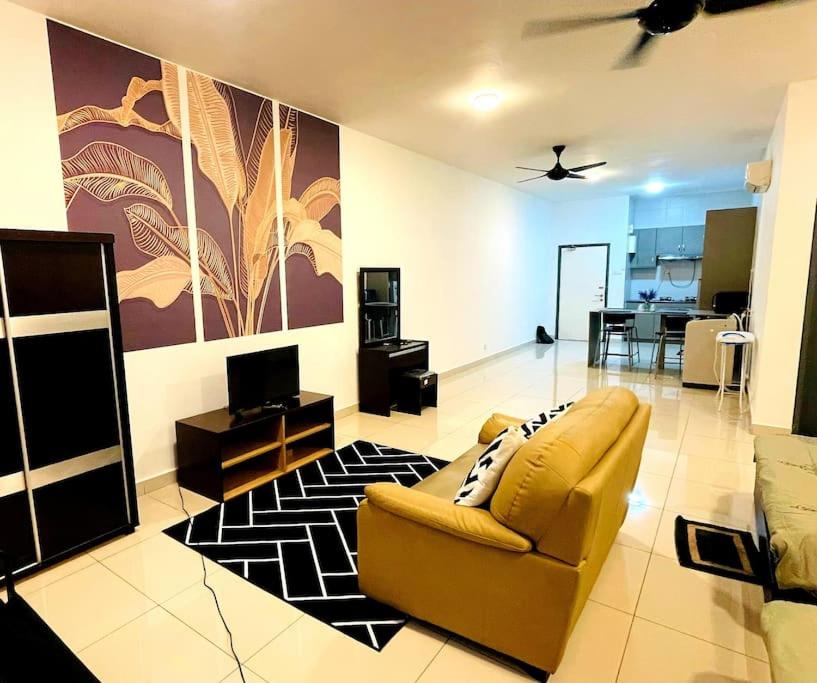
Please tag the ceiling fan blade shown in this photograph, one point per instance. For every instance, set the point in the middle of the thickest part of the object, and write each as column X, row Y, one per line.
column 546, row 27
column 526, row 180
column 587, row 167
column 724, row 6
column 527, row 168
column 576, row 175
column 635, row 57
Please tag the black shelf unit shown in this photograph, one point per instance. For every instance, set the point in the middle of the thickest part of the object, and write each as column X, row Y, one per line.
column 66, row 463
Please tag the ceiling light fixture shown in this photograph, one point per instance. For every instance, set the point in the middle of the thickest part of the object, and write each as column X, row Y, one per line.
column 654, row 187
column 486, row 101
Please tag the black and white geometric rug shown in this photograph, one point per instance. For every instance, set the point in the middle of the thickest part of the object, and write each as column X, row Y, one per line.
column 296, row 537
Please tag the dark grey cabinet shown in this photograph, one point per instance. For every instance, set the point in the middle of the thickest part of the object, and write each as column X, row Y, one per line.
column 66, row 466
column 692, row 243
column 644, row 249
column 668, row 241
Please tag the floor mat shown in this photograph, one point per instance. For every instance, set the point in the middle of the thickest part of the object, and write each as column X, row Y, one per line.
column 731, row 553
column 296, row 537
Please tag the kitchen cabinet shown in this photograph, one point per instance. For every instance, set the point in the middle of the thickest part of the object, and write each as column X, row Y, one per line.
column 693, row 241
column 668, row 241
column 644, row 249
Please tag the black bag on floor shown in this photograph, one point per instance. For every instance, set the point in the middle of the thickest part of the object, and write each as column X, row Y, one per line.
column 542, row 337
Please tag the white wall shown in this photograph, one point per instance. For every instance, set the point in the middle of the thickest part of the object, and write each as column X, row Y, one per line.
column 471, row 254
column 30, row 176
column 591, row 221
column 782, row 253
column 678, row 279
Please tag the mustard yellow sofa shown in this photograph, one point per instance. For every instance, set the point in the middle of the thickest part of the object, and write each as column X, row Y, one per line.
column 514, row 577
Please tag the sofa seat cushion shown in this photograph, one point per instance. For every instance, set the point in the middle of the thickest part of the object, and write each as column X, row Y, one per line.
column 538, row 480
column 788, row 630
column 787, row 489
column 446, row 482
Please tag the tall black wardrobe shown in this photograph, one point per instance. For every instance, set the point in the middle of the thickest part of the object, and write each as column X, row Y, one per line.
column 66, row 466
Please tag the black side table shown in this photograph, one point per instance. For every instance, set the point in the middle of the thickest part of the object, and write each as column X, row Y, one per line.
column 418, row 388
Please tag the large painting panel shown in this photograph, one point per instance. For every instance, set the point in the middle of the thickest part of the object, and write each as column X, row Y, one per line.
column 233, row 137
column 120, row 140
column 310, row 169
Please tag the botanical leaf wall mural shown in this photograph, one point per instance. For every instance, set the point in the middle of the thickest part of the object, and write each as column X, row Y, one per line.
column 310, row 163
column 122, row 159
column 233, row 140
column 119, row 120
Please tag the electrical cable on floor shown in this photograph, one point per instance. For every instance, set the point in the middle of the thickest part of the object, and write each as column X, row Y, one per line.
column 215, row 597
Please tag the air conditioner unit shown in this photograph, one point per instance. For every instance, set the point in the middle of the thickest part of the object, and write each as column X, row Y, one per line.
column 758, row 176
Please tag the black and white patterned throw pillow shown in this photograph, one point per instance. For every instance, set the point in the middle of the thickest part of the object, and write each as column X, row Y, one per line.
column 481, row 482
column 536, row 423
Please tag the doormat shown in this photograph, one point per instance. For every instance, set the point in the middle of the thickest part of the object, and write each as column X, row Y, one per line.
column 730, row 553
column 296, row 536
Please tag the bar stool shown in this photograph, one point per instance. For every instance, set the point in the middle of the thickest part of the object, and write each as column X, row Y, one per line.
column 736, row 339
column 673, row 331
column 619, row 325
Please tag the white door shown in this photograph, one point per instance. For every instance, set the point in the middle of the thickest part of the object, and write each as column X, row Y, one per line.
column 582, row 288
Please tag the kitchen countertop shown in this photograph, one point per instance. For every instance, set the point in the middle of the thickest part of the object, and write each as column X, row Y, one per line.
column 673, row 301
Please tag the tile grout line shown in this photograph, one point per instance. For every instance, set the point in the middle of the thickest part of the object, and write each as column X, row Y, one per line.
column 649, row 562
column 431, row 661
column 702, row 640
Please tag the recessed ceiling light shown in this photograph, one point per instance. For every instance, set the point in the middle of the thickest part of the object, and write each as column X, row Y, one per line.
column 486, row 101
column 654, row 186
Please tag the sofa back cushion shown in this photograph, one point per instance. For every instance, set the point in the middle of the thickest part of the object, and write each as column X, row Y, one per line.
column 541, row 475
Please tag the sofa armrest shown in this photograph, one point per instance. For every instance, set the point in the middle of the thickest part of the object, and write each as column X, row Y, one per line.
column 495, row 424
column 471, row 524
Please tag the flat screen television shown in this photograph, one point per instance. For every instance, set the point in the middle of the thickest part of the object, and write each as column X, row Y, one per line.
column 263, row 378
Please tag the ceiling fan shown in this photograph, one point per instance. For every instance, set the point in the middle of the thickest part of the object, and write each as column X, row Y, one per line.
column 658, row 18
column 559, row 172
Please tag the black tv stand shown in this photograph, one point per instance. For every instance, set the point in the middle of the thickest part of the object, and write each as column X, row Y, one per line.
column 221, row 457
column 379, row 369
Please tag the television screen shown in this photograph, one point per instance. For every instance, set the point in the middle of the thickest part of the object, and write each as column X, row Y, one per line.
column 258, row 379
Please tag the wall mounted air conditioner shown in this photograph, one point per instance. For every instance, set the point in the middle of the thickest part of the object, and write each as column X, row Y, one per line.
column 758, row 176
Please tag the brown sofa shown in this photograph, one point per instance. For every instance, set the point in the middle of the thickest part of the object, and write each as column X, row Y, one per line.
column 515, row 577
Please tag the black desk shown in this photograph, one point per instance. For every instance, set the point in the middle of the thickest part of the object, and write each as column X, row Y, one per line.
column 378, row 370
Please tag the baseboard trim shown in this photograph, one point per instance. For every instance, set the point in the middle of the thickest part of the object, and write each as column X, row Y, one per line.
column 769, row 430
column 475, row 364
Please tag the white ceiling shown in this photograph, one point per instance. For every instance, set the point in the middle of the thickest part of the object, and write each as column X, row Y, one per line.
column 405, row 70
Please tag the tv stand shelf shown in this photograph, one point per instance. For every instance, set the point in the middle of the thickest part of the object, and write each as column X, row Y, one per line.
column 221, row 457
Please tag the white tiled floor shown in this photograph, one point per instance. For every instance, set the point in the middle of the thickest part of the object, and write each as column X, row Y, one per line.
column 134, row 609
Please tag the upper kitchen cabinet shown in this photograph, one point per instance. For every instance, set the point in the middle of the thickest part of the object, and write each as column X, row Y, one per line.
column 692, row 243
column 669, row 241
column 644, row 249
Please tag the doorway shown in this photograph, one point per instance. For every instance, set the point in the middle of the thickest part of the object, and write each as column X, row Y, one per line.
column 583, row 273
column 805, row 407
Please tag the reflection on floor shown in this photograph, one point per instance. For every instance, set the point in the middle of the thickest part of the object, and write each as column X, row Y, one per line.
column 134, row 609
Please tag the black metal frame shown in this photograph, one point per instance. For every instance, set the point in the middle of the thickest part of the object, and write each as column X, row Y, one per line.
column 559, row 275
